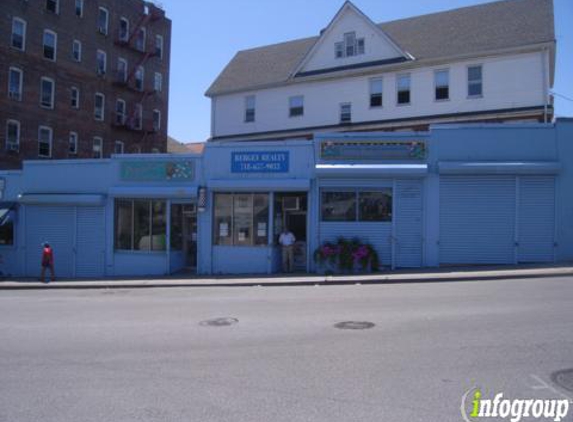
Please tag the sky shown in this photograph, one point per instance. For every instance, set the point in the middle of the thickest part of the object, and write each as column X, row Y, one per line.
column 206, row 34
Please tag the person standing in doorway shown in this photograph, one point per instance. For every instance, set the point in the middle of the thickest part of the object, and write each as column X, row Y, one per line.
column 286, row 240
column 47, row 262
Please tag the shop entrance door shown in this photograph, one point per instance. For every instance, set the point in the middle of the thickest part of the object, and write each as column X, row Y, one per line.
column 190, row 236
column 291, row 210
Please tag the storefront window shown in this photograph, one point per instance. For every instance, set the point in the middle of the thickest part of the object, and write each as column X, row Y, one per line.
column 140, row 224
column 241, row 219
column 357, row 205
column 7, row 233
column 176, row 227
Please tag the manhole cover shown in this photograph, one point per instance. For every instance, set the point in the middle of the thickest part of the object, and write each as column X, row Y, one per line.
column 354, row 325
column 563, row 379
column 219, row 322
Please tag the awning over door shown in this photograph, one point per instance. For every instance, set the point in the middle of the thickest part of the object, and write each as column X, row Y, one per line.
column 260, row 185
column 86, row 200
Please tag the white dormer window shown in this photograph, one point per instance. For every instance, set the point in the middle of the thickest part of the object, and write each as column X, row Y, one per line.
column 351, row 46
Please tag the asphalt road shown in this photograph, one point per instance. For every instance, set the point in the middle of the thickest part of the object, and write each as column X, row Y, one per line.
column 144, row 355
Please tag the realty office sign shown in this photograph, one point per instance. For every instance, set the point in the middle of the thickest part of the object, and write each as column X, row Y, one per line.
column 260, row 162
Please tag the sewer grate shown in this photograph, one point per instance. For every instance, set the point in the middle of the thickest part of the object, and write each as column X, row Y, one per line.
column 563, row 379
column 219, row 322
column 354, row 325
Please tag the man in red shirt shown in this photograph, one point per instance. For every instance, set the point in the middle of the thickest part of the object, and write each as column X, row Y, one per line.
column 47, row 262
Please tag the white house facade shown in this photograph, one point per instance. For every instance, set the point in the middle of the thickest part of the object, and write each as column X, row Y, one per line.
column 492, row 62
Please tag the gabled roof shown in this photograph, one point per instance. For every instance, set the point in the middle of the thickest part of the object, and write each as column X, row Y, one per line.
column 460, row 32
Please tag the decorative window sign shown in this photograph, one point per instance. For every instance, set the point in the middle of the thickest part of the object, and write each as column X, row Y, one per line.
column 157, row 171
column 260, row 162
column 372, row 150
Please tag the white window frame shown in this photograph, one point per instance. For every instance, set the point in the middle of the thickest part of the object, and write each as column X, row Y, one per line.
column 13, row 146
column 398, row 77
column 50, row 140
column 140, row 71
column 121, row 146
column 81, row 7
column 99, row 70
column 125, row 74
column 77, row 43
column 248, row 99
column 49, row 31
column 371, row 92
column 341, row 113
column 138, row 117
column 143, row 41
column 156, row 121
column 160, row 39
column 104, row 30
column 97, row 142
column 24, row 29
column 436, row 86
column 158, row 82
column 18, row 96
column 100, row 117
column 126, row 37
column 120, row 118
column 73, row 140
column 52, row 95
column 57, row 11
column 76, row 97
column 474, row 82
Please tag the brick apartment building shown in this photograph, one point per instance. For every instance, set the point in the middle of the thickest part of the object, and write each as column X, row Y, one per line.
column 82, row 79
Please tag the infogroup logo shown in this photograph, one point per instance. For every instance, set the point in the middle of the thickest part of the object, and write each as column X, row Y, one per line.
column 513, row 410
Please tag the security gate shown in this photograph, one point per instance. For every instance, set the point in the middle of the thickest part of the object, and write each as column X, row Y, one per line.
column 408, row 226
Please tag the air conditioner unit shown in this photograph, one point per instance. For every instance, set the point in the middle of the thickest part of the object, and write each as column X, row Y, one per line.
column 291, row 203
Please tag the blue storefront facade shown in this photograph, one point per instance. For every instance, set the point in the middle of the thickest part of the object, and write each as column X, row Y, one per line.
column 455, row 195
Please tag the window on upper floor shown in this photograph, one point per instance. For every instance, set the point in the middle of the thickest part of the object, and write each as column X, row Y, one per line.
column 75, row 97
column 345, row 113
column 350, row 46
column 73, row 143
column 53, row 6
column 13, row 135
column 156, row 120
column 138, row 117
column 50, row 42
column 376, row 92
column 45, row 141
column 101, row 62
column 120, row 112
column 121, row 70
column 103, row 20
column 250, row 103
column 141, row 39
column 296, row 106
column 79, row 8
column 158, row 82
column 403, row 89
column 124, row 29
column 475, row 81
column 15, row 83
column 47, row 92
column 18, row 40
column 159, row 46
column 442, row 85
column 118, row 147
column 97, row 147
column 99, row 106
column 139, row 78
column 77, row 50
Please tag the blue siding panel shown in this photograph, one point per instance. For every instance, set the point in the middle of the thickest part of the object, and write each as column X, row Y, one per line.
column 90, row 243
column 408, row 217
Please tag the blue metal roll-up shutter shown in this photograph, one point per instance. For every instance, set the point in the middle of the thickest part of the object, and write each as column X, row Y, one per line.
column 536, row 223
column 55, row 225
column 477, row 219
column 408, row 227
column 90, row 243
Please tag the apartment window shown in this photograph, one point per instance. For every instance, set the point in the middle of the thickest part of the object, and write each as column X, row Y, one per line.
column 345, row 113
column 123, row 30
column 356, row 205
column 50, row 42
column 121, row 70
column 139, row 75
column 53, row 6
column 75, row 97
column 403, row 89
column 47, row 88
column 13, row 135
column 19, row 34
column 159, row 46
column 376, row 92
column 138, row 117
column 97, row 147
column 250, row 108
column 156, row 120
column 241, row 219
column 99, row 106
column 350, row 46
column 442, row 84
column 77, row 51
column 475, row 81
column 15, row 83
column 140, row 39
column 79, row 9
column 120, row 112
column 73, row 143
column 103, row 20
column 140, row 224
column 101, row 60
column 118, row 147
column 296, row 106
column 45, row 141
column 158, row 82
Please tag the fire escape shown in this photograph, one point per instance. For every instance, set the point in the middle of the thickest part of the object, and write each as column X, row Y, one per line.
column 137, row 40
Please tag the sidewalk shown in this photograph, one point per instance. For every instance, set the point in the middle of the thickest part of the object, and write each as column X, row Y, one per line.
column 418, row 275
